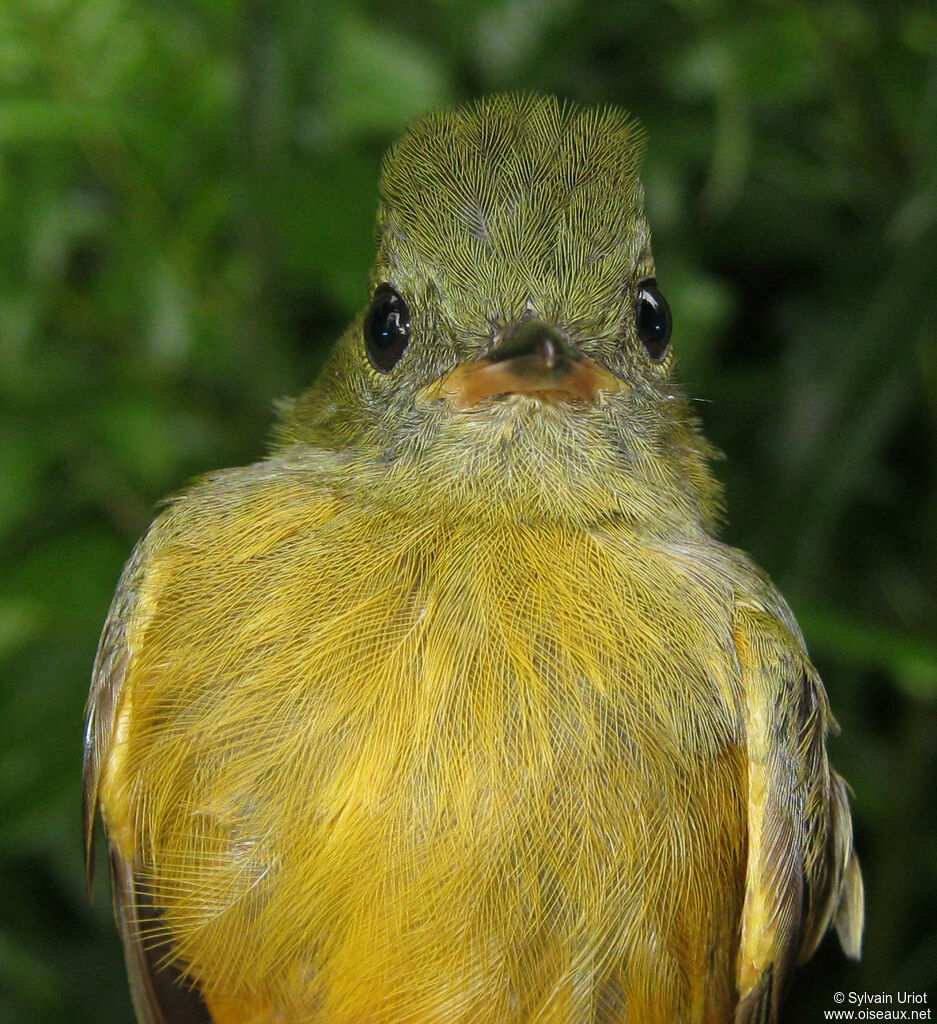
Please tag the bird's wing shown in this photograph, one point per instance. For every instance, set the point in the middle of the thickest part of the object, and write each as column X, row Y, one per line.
column 107, row 682
column 802, row 872
column 160, row 995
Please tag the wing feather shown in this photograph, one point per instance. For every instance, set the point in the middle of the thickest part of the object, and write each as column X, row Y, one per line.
column 802, row 872
column 107, row 681
column 160, row 992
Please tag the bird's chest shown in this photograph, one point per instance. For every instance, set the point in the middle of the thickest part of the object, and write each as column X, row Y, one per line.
column 441, row 752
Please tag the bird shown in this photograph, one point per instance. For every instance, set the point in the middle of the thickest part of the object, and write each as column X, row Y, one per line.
column 454, row 709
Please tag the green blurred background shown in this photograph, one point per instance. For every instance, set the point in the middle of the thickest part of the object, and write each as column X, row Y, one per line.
column 187, row 192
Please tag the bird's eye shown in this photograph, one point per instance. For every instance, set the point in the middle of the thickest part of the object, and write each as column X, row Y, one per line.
column 386, row 328
column 652, row 315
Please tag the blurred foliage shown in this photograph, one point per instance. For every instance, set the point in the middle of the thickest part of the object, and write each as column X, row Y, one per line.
column 187, row 191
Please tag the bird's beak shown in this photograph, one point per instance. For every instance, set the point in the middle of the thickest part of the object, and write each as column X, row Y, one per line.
column 533, row 359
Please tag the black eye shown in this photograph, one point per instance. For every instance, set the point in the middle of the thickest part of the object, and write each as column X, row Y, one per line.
column 653, row 319
column 386, row 329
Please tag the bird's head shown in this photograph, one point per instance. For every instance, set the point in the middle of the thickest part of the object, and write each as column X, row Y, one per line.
column 515, row 354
